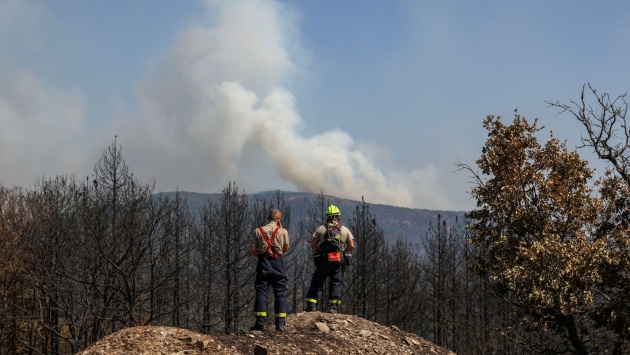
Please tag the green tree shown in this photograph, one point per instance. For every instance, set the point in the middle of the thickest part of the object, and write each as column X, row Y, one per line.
column 607, row 134
column 533, row 227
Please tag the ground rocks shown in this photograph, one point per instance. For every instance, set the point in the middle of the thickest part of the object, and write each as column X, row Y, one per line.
column 306, row 333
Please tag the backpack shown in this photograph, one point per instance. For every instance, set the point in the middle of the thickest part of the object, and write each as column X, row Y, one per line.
column 332, row 247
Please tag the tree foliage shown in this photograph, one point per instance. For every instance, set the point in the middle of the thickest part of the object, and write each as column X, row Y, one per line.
column 546, row 237
column 607, row 134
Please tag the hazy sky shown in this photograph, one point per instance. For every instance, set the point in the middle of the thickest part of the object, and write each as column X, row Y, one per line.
column 359, row 98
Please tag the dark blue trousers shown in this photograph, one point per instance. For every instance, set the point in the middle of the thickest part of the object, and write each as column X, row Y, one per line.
column 335, row 274
column 270, row 272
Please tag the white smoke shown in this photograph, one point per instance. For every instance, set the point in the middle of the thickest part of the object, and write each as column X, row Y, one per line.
column 217, row 109
column 39, row 123
column 40, row 126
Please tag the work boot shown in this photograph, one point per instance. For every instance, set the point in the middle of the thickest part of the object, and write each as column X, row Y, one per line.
column 260, row 324
column 332, row 308
column 310, row 307
column 280, row 323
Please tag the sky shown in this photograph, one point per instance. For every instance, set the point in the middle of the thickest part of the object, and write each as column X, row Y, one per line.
column 361, row 99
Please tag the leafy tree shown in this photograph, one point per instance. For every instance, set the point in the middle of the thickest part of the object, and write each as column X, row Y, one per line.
column 607, row 133
column 533, row 227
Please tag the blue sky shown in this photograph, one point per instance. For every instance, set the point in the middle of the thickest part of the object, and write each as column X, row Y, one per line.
column 359, row 98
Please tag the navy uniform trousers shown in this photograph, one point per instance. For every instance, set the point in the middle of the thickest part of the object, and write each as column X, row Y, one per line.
column 270, row 272
column 335, row 273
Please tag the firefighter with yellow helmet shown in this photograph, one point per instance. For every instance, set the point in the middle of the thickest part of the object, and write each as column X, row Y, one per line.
column 331, row 245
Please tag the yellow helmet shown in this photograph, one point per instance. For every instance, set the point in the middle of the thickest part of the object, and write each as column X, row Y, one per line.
column 333, row 211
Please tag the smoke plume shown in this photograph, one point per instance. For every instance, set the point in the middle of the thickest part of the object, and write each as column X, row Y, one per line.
column 216, row 108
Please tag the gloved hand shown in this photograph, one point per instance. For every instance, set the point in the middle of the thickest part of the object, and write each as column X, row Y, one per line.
column 347, row 258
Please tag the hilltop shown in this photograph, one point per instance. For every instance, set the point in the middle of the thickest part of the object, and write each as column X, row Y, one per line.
column 306, row 333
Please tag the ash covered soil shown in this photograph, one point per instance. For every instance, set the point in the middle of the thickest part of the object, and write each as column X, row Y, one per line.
column 306, row 333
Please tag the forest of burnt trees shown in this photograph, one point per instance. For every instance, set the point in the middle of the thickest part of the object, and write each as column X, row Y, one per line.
column 541, row 266
column 82, row 259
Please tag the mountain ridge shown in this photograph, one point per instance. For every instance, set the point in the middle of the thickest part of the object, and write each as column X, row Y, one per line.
column 410, row 223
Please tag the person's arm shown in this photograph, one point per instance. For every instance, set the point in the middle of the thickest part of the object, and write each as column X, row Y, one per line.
column 349, row 246
column 286, row 240
column 314, row 244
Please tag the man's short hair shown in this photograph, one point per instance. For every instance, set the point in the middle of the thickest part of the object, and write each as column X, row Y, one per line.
column 274, row 215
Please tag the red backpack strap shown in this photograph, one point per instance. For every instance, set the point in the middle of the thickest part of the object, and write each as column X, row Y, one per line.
column 269, row 241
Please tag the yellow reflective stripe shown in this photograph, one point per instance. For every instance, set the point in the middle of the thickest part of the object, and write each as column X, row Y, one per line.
column 311, row 300
column 281, row 315
column 260, row 314
column 335, row 301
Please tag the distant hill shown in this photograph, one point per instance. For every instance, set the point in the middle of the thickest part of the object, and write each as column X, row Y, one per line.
column 411, row 223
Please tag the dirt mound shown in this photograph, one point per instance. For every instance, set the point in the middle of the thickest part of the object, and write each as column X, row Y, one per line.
column 306, row 333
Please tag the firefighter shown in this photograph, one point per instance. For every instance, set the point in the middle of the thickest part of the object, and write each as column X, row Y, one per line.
column 330, row 242
column 269, row 243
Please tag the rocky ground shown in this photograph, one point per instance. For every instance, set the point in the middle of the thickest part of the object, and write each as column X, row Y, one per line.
column 306, row 333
